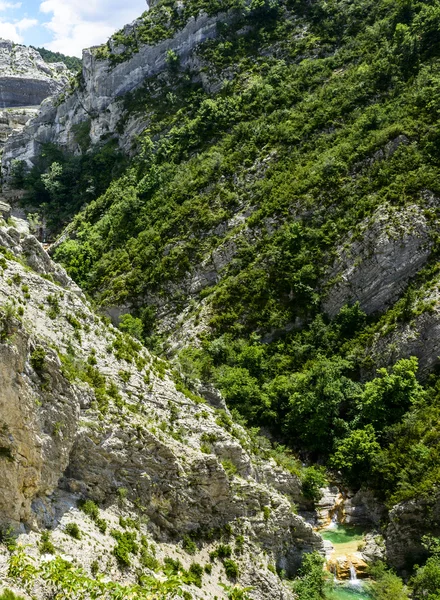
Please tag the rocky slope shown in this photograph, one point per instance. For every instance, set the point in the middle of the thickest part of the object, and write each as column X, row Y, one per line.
column 87, row 413
column 26, row 80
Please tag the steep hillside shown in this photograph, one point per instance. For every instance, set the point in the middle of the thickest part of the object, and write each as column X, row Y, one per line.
column 72, row 62
column 252, row 189
column 90, row 418
column 25, row 81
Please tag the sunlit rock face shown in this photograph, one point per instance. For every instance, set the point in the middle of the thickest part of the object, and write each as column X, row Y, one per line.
column 97, row 99
column 25, row 79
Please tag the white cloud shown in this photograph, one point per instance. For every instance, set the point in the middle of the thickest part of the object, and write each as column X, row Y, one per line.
column 8, row 5
column 13, row 30
column 78, row 24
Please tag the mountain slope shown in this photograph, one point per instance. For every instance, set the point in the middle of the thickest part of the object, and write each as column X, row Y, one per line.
column 26, row 80
column 89, row 415
column 72, row 62
column 275, row 223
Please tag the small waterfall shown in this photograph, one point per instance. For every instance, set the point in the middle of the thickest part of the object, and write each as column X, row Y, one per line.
column 333, row 523
column 354, row 581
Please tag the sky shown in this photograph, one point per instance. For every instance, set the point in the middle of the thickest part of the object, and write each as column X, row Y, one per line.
column 65, row 26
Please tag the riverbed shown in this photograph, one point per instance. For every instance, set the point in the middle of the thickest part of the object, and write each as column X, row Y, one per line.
column 346, row 541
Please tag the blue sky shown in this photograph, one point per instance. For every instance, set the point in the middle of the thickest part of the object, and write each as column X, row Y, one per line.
column 65, row 26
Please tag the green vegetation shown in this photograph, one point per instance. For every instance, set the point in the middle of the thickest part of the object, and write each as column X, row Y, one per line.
column 311, row 582
column 148, row 561
column 61, row 184
column 8, row 595
column 387, row 585
column 125, row 546
column 195, row 574
column 46, row 545
column 229, row 467
column 426, row 581
column 8, row 537
column 38, row 359
column 223, row 551
column 313, row 478
column 231, row 568
column 66, row 580
column 236, row 592
column 291, row 139
column 92, row 510
column 189, row 545
column 73, row 530
column 72, row 62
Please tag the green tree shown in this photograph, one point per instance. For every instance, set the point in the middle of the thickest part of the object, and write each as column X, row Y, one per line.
column 313, row 479
column 311, row 582
column 320, row 398
column 131, row 325
column 426, row 582
column 387, row 585
column 387, row 398
column 8, row 595
column 355, row 455
column 242, row 391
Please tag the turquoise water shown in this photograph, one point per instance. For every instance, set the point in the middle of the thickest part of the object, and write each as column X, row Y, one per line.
column 342, row 534
column 341, row 592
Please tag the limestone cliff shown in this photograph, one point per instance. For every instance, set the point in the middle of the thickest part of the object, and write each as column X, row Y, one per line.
column 26, row 80
column 122, row 423
column 87, row 412
column 97, row 96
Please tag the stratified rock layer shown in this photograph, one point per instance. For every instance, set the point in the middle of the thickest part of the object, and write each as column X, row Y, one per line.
column 103, row 85
column 25, row 79
column 375, row 264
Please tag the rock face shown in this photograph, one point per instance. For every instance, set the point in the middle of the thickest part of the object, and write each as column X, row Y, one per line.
column 14, row 119
column 342, row 566
column 86, row 412
column 26, row 80
column 376, row 263
column 342, row 506
column 420, row 338
column 408, row 523
column 31, row 456
column 103, row 85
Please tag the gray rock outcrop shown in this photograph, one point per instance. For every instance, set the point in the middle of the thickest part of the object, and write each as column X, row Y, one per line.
column 98, row 98
column 375, row 264
column 14, row 119
column 408, row 523
column 25, row 78
column 85, row 411
column 417, row 336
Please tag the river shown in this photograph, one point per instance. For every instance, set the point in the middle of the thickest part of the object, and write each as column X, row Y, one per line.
column 345, row 541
